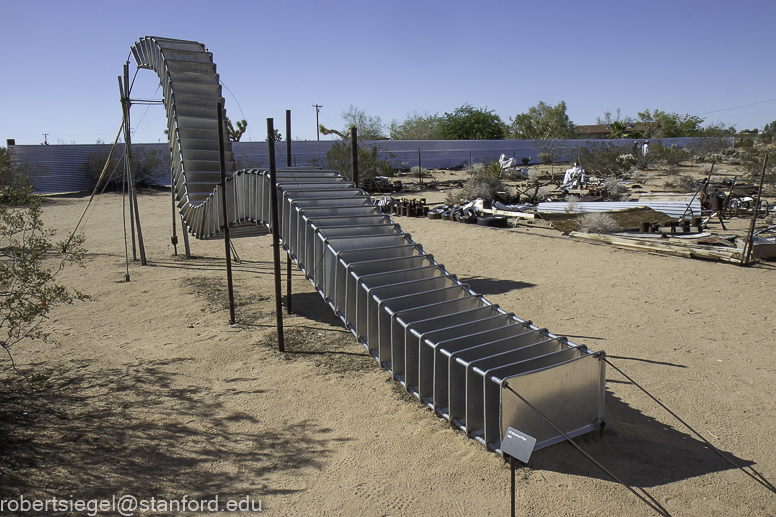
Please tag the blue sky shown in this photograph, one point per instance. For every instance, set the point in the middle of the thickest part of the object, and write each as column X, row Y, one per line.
column 61, row 60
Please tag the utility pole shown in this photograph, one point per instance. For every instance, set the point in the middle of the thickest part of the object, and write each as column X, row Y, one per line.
column 45, row 137
column 317, row 125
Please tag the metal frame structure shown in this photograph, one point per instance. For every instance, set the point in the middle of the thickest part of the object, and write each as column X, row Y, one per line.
column 446, row 344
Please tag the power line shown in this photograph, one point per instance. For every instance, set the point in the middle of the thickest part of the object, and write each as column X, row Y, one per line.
column 735, row 108
column 250, row 133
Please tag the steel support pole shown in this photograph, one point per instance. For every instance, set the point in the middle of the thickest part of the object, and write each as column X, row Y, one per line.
column 273, row 180
column 354, row 153
column 289, row 288
column 222, row 162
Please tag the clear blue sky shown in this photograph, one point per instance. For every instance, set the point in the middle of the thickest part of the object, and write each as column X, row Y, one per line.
column 61, row 60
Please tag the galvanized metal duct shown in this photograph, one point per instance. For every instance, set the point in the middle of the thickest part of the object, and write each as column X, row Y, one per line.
column 443, row 342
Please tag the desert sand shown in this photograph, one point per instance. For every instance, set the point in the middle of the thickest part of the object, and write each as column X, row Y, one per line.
column 148, row 390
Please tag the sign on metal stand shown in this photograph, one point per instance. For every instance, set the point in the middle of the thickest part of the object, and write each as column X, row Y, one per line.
column 518, row 446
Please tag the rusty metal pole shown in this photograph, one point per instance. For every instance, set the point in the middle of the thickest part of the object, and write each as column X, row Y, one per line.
column 273, row 180
column 222, row 162
column 185, row 232
column 354, row 153
column 288, row 256
column 124, row 88
column 750, row 237
column 126, row 178
column 174, row 238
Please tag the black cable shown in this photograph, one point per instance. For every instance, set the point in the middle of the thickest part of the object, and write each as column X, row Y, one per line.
column 756, row 476
column 652, row 503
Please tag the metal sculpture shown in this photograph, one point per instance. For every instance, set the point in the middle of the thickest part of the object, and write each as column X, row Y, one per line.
column 457, row 352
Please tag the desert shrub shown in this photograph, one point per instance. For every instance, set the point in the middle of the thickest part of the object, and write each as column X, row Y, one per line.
column 753, row 165
column 484, row 182
column 571, row 203
column 149, row 165
column 455, row 197
column 614, row 188
column 477, row 168
column 419, row 172
column 708, row 145
column 245, row 161
column 681, row 183
column 515, row 174
column 626, row 161
column 370, row 164
column 30, row 288
column 597, row 222
column 604, row 158
column 671, row 155
column 15, row 173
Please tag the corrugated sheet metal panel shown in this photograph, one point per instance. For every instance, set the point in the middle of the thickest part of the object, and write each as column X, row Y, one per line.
column 61, row 168
column 674, row 210
column 62, row 165
column 438, row 154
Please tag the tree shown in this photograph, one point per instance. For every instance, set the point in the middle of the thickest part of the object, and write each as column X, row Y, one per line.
column 276, row 136
column 235, row 134
column 670, row 125
column 323, row 129
column 27, row 283
column 617, row 130
column 369, row 128
column 608, row 119
column 542, row 122
column 770, row 128
column 469, row 123
column 417, row 127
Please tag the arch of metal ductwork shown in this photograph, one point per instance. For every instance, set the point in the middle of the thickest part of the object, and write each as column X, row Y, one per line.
column 449, row 346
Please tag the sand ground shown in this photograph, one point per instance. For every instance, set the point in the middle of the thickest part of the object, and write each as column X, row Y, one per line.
column 149, row 391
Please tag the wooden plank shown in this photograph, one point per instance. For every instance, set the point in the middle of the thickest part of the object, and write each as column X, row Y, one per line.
column 522, row 215
column 668, row 249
